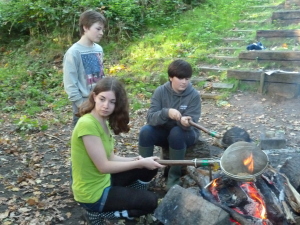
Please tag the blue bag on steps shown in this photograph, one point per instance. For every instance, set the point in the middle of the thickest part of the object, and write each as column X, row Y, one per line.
column 256, row 46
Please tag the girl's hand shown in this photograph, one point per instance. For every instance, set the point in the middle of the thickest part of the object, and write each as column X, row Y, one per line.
column 137, row 158
column 150, row 163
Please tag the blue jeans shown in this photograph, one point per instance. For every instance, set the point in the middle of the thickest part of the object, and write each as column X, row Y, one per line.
column 97, row 206
column 175, row 138
column 119, row 196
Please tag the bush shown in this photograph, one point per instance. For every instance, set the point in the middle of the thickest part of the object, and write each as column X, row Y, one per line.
column 125, row 18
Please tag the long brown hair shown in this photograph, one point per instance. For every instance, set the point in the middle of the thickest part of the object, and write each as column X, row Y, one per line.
column 119, row 119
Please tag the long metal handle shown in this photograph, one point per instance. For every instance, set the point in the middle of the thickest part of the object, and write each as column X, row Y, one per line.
column 215, row 164
column 211, row 133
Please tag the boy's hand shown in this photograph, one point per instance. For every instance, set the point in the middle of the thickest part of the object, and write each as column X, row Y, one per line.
column 174, row 114
column 185, row 121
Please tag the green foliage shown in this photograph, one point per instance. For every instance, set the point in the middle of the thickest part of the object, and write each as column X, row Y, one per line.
column 142, row 37
column 126, row 18
column 26, row 124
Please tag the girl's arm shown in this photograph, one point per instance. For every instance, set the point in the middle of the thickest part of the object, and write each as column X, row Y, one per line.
column 95, row 149
column 114, row 157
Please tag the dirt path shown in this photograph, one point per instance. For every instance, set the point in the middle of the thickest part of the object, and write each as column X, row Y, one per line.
column 34, row 168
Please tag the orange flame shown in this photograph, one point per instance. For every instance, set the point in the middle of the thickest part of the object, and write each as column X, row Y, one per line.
column 249, row 163
column 260, row 210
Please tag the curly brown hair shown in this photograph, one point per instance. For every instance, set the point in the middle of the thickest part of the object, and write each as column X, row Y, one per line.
column 119, row 119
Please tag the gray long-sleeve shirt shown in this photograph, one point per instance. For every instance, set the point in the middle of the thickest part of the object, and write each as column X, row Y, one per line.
column 188, row 103
column 82, row 68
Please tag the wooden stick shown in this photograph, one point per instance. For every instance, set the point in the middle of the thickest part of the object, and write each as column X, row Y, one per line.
column 211, row 133
column 53, row 137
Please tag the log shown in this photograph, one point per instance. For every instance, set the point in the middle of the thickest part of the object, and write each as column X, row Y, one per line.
column 181, row 206
column 274, row 211
column 199, row 176
column 291, row 168
column 240, row 218
column 282, row 188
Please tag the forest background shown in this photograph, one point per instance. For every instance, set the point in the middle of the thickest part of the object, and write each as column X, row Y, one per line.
column 141, row 38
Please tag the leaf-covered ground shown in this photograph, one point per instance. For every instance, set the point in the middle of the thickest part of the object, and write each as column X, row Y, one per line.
column 34, row 168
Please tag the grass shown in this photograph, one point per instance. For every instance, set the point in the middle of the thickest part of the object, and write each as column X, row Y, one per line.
column 31, row 83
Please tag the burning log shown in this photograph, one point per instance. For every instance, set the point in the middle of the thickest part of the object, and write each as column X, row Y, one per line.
column 240, row 218
column 274, row 210
column 199, row 176
column 282, row 186
column 291, row 169
column 288, row 213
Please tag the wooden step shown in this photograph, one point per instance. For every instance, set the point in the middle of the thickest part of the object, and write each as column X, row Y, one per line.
column 289, row 4
column 230, row 50
column 255, row 75
column 218, row 85
column 233, row 39
column 214, row 69
column 223, row 57
column 278, row 35
column 286, row 17
column 266, row 7
column 271, row 55
column 243, row 31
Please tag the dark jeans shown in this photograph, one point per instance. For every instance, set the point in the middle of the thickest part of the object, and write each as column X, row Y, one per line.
column 118, row 197
column 176, row 137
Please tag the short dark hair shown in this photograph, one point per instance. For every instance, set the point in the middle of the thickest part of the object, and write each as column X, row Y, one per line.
column 180, row 69
column 88, row 18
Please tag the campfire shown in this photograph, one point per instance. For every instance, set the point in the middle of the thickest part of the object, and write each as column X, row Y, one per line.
column 250, row 190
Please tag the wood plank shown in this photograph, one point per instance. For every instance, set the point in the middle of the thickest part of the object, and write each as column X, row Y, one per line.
column 286, row 15
column 278, row 77
column 218, row 85
column 278, row 33
column 271, row 55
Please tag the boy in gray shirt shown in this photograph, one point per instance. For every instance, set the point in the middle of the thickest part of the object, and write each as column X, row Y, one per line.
column 83, row 61
column 173, row 104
